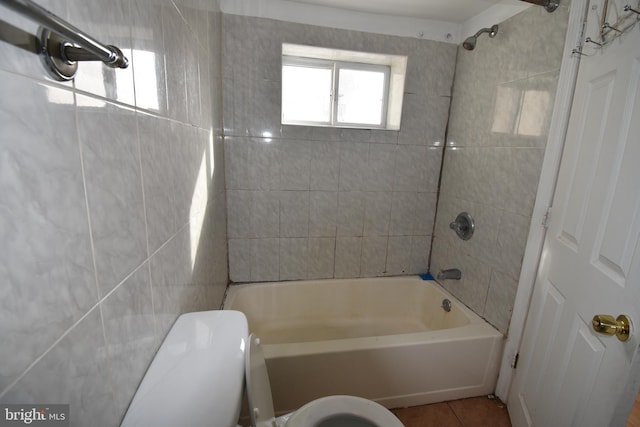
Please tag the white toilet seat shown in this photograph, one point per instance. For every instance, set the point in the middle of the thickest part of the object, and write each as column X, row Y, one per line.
column 330, row 411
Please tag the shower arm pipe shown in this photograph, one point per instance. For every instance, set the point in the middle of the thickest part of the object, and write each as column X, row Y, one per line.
column 87, row 49
column 492, row 31
column 549, row 5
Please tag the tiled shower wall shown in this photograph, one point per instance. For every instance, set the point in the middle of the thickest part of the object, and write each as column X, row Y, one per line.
column 501, row 109
column 310, row 202
column 113, row 204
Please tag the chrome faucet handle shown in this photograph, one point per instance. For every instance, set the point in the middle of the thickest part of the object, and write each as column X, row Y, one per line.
column 464, row 226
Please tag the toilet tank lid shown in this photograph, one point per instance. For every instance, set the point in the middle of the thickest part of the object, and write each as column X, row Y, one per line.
column 197, row 376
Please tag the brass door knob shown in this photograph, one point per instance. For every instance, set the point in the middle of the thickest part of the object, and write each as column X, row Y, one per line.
column 606, row 324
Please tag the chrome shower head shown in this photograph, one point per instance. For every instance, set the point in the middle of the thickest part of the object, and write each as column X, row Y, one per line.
column 470, row 42
column 549, row 5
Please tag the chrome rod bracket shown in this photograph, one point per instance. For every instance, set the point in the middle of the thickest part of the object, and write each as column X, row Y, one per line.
column 552, row 5
column 61, row 45
column 549, row 5
column 51, row 52
column 60, row 58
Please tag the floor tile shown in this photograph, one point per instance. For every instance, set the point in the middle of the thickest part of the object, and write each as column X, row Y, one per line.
column 634, row 417
column 437, row 414
column 481, row 412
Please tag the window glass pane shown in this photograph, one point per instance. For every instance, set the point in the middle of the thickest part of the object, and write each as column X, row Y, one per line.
column 306, row 94
column 360, row 96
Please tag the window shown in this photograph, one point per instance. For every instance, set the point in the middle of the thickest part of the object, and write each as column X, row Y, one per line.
column 338, row 88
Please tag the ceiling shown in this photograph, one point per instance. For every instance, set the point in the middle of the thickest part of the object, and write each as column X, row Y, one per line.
column 457, row 11
column 449, row 21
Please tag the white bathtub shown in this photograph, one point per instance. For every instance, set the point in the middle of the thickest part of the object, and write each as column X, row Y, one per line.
column 385, row 339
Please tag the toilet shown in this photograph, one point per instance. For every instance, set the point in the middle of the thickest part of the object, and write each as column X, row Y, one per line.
column 198, row 375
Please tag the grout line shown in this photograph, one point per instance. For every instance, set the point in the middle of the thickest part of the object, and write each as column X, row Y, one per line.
column 100, row 299
column 146, row 227
column 51, row 347
column 455, row 414
column 73, row 89
column 91, row 240
column 96, row 305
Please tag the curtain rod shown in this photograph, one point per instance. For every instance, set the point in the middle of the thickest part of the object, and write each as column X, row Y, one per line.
column 62, row 44
column 549, row 5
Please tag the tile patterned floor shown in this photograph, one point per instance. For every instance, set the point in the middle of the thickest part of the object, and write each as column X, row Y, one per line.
column 634, row 417
column 473, row 412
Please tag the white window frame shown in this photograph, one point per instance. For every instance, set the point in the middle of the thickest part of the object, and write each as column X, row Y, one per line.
column 393, row 67
column 384, row 69
column 311, row 63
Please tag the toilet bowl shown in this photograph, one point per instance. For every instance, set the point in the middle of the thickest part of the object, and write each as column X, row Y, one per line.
column 330, row 411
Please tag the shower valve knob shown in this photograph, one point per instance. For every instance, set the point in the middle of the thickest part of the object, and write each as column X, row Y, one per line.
column 464, row 226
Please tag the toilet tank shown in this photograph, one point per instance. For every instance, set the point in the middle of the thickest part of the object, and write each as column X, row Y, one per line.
column 197, row 377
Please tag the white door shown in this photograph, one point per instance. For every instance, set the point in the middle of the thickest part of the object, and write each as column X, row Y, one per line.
column 567, row 374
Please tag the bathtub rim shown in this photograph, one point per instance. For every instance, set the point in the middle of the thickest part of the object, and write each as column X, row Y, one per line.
column 477, row 327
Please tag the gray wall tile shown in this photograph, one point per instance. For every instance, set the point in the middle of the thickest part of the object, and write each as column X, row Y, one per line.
column 157, row 154
column 294, row 256
column 324, row 166
column 348, row 252
column 265, row 261
column 321, row 258
column 48, row 280
column 500, row 113
column 403, row 213
column 352, row 175
column 353, row 166
column 374, row 256
column 502, row 293
column 323, row 211
column 350, row 213
column 420, row 254
column 380, row 167
column 114, row 187
column 129, row 326
column 293, row 159
column 264, row 213
column 75, row 371
column 264, row 158
column 104, row 189
column 240, row 250
column 398, row 257
column 377, row 213
column 294, row 213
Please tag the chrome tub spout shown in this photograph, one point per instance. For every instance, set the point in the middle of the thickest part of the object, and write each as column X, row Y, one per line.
column 451, row 273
